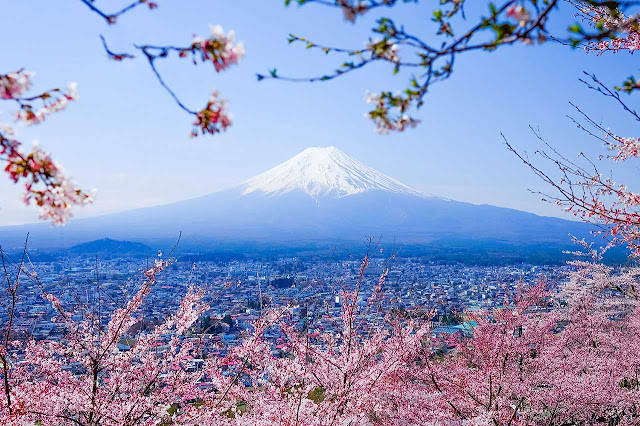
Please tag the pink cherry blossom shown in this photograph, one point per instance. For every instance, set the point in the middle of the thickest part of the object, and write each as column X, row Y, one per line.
column 46, row 182
column 628, row 37
column 219, row 48
column 53, row 101
column 14, row 84
column 214, row 118
column 519, row 13
column 351, row 11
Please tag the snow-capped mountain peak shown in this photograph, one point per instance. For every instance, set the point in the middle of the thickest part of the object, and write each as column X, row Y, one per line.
column 324, row 171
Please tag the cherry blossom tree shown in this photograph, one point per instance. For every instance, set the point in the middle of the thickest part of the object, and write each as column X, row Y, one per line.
column 85, row 379
column 552, row 355
column 354, row 373
column 547, row 358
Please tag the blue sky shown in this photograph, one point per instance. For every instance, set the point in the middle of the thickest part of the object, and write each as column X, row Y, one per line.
column 127, row 138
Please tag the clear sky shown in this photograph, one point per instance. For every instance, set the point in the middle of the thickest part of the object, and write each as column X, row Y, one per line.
column 127, row 138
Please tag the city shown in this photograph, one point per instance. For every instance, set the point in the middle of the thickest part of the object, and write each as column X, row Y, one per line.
column 310, row 289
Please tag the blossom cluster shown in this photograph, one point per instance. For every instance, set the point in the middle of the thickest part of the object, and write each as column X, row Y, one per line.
column 14, row 84
column 626, row 147
column 222, row 51
column 380, row 115
column 351, row 11
column 519, row 13
column 46, row 182
column 53, row 101
column 220, row 48
column 384, row 49
column 626, row 28
column 214, row 118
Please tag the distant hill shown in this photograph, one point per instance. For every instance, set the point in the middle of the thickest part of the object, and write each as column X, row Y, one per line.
column 114, row 247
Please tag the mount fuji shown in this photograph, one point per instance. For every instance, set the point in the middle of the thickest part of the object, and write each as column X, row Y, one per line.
column 319, row 195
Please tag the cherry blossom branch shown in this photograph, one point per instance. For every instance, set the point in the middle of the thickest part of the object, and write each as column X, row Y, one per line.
column 111, row 18
column 515, row 21
column 611, row 29
column 113, row 55
column 151, row 59
column 584, row 191
column 354, row 8
column 511, row 23
column 619, row 216
column 604, row 90
column 15, row 84
column 220, row 49
column 57, row 194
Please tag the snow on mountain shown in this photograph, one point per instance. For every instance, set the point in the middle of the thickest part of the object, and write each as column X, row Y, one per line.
column 324, row 171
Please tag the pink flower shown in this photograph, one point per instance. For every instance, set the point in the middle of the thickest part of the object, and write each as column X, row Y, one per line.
column 519, row 13
column 47, row 184
column 219, row 48
column 14, row 84
column 214, row 118
column 352, row 11
column 54, row 101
